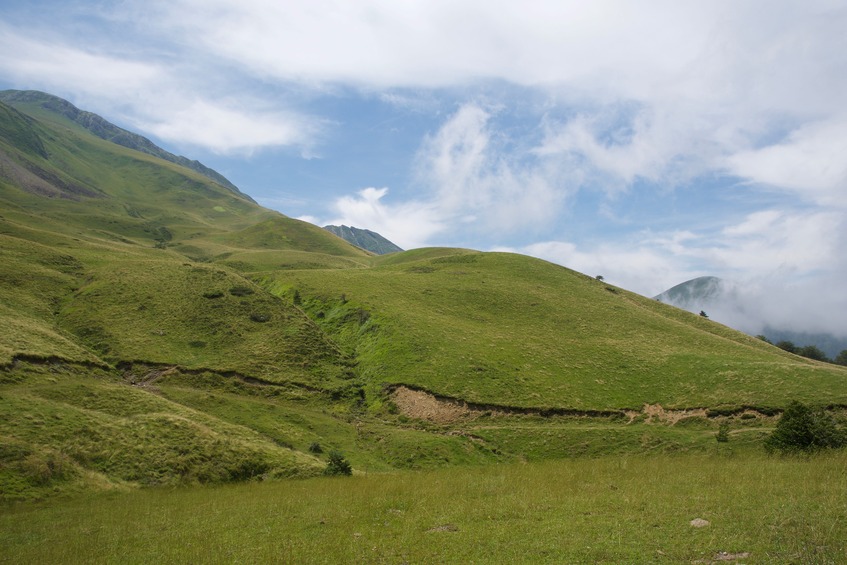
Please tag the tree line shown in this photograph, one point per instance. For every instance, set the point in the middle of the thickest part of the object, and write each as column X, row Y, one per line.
column 808, row 351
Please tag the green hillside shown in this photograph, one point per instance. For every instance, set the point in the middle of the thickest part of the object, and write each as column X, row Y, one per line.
column 160, row 327
column 510, row 330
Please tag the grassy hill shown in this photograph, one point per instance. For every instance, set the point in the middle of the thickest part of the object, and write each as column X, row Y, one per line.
column 162, row 328
column 510, row 330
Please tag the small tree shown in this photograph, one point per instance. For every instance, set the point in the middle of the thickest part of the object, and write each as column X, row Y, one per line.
column 787, row 346
column 703, row 314
column 812, row 352
column 841, row 358
column 802, row 429
column 337, row 464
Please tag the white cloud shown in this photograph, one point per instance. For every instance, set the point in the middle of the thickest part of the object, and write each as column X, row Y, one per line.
column 469, row 184
column 788, row 244
column 641, row 268
column 154, row 96
column 711, row 81
column 381, row 43
column 236, row 129
column 409, row 224
column 51, row 65
column 769, row 244
column 475, row 176
column 810, row 162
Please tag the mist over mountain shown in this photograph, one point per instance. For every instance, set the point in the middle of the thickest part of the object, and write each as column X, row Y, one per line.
column 756, row 310
column 364, row 239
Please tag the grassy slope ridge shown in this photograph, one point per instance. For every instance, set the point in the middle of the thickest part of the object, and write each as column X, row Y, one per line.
column 510, row 330
column 36, row 101
column 160, row 329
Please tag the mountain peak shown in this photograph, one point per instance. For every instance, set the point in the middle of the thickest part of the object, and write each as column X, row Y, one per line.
column 695, row 293
column 365, row 239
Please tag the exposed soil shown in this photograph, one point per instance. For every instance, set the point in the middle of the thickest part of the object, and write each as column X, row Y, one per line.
column 655, row 411
column 423, row 405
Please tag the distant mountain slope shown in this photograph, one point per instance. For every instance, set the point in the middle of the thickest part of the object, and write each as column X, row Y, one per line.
column 56, row 174
column 366, row 239
column 728, row 304
column 695, row 294
column 109, row 131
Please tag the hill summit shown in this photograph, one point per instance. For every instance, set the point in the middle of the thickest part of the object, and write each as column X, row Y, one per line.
column 366, row 239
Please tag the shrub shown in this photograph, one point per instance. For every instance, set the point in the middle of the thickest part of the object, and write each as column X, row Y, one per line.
column 315, row 447
column 723, row 433
column 802, row 429
column 241, row 291
column 337, row 464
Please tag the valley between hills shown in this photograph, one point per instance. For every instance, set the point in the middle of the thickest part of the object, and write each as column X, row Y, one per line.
column 161, row 329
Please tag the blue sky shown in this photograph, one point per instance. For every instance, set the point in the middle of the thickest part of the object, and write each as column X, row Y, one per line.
column 650, row 142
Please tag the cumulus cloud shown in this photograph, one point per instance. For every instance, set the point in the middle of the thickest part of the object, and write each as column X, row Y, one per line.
column 468, row 183
column 409, row 224
column 711, row 80
column 475, row 179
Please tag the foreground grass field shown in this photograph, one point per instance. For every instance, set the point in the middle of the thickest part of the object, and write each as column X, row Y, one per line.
column 605, row 510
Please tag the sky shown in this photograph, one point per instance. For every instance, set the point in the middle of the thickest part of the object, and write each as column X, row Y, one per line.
column 648, row 142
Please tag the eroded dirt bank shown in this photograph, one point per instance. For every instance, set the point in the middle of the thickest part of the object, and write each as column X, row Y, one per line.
column 423, row 405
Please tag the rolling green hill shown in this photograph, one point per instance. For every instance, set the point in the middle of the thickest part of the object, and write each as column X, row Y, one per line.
column 159, row 327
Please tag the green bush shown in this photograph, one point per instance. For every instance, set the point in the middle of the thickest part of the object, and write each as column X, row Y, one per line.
column 337, row 464
column 802, row 429
column 723, row 433
column 241, row 291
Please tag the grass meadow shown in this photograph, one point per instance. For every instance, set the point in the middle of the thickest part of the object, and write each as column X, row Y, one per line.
column 594, row 510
